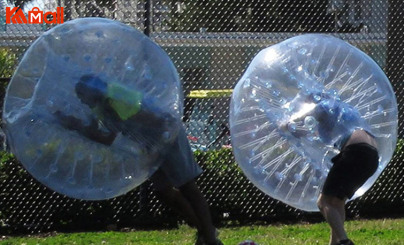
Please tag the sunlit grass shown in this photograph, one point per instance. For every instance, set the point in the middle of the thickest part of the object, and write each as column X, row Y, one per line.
column 364, row 232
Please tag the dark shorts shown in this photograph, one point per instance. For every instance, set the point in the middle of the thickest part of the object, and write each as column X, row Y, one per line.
column 178, row 164
column 353, row 166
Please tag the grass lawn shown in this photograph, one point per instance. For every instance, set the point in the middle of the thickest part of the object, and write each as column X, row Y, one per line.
column 363, row 232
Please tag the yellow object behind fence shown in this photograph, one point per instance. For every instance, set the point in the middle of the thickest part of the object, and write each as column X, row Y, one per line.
column 214, row 93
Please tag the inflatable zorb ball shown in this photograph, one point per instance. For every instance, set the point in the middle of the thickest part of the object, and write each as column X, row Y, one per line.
column 296, row 103
column 45, row 108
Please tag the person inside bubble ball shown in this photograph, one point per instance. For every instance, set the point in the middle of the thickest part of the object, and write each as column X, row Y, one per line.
column 337, row 125
column 117, row 111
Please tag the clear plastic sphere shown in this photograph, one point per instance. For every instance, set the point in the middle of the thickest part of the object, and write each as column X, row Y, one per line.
column 297, row 101
column 111, row 59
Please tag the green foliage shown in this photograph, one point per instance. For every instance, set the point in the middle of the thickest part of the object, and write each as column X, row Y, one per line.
column 399, row 148
column 224, row 184
column 8, row 61
column 220, row 161
column 7, row 164
column 5, row 157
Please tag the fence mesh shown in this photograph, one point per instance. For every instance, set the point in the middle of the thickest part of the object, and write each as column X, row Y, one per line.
column 211, row 42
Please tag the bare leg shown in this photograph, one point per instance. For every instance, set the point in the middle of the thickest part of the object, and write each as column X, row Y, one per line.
column 333, row 238
column 333, row 210
column 201, row 208
column 175, row 200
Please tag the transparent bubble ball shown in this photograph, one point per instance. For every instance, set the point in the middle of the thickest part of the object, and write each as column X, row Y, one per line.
column 44, row 85
column 296, row 102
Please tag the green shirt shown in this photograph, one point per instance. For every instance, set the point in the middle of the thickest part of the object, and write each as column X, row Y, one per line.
column 125, row 102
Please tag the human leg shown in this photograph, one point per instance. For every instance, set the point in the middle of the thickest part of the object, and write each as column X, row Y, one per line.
column 333, row 237
column 181, row 170
column 192, row 193
column 352, row 167
column 333, row 210
column 189, row 202
column 174, row 199
column 345, row 242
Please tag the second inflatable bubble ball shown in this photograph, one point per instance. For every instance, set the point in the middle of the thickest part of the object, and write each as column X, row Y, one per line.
column 296, row 102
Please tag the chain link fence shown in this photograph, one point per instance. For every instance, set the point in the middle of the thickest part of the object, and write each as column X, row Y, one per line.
column 211, row 42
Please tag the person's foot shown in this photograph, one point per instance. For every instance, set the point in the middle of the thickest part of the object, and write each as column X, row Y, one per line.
column 217, row 242
column 200, row 240
column 345, row 242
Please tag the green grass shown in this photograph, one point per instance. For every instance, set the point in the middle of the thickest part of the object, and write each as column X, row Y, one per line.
column 363, row 232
